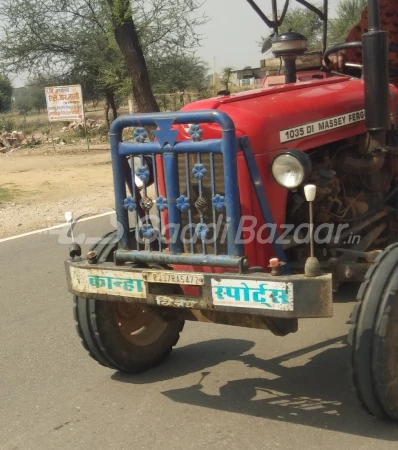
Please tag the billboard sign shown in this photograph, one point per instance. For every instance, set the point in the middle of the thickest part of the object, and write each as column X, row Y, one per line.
column 64, row 103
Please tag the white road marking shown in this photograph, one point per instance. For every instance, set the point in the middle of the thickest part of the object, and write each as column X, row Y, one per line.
column 54, row 227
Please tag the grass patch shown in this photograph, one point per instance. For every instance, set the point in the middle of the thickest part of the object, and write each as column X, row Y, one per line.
column 8, row 194
column 5, row 194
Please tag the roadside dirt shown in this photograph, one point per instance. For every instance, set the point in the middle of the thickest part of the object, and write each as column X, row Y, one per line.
column 38, row 186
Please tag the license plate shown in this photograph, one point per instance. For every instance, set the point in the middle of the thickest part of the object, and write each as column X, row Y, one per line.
column 192, row 279
column 274, row 295
column 112, row 282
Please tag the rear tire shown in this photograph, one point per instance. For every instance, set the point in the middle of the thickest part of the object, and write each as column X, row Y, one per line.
column 374, row 337
column 123, row 336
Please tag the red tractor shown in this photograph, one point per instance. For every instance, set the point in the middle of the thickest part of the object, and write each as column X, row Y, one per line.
column 251, row 210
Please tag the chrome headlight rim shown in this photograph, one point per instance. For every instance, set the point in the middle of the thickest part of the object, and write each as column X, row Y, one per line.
column 304, row 164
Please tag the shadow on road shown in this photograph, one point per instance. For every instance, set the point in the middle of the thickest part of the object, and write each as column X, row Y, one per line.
column 191, row 359
column 317, row 394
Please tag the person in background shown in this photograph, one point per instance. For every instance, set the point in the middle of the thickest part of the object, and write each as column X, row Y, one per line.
column 389, row 23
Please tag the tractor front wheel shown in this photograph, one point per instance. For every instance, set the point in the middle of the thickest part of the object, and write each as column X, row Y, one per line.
column 125, row 336
column 374, row 337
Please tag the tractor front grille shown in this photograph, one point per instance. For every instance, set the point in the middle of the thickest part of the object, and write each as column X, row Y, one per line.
column 201, row 200
column 193, row 217
column 205, row 201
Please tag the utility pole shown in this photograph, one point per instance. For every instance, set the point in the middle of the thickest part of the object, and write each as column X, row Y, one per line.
column 214, row 72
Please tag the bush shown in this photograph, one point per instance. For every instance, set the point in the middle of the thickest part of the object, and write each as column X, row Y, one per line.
column 6, row 91
column 7, row 124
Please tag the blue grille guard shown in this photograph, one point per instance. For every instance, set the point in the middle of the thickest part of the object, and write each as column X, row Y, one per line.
column 169, row 148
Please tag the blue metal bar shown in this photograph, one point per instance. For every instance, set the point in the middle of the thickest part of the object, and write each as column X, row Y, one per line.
column 144, row 190
column 200, row 183
column 170, row 162
column 188, row 181
column 232, row 200
column 135, row 189
column 213, row 193
column 155, row 181
column 119, row 185
column 146, row 257
column 261, row 196
column 200, row 189
column 178, row 118
column 154, row 148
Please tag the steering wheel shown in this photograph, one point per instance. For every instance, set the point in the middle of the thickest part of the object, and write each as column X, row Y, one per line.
column 347, row 45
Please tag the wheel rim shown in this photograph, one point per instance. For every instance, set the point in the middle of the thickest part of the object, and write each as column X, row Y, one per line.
column 138, row 325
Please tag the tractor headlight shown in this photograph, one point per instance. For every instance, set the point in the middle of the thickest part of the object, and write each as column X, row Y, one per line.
column 290, row 169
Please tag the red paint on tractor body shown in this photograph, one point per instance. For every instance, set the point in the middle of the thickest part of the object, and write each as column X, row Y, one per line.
column 261, row 115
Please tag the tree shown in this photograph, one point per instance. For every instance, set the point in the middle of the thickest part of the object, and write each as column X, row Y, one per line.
column 127, row 38
column 6, row 91
column 31, row 96
column 103, row 39
column 23, row 101
column 69, row 41
column 306, row 22
column 35, row 92
column 153, row 28
column 348, row 14
column 226, row 76
column 178, row 73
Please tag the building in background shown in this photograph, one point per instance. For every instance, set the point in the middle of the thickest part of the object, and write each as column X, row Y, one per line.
column 239, row 78
column 247, row 77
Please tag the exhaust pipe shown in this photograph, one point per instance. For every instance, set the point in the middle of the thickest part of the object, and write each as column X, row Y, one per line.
column 376, row 77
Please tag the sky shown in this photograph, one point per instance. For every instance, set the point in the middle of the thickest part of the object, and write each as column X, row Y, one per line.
column 231, row 34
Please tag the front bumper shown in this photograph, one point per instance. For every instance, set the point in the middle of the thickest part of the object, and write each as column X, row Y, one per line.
column 286, row 296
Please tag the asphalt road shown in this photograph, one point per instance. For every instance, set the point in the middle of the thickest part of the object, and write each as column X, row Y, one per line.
column 222, row 387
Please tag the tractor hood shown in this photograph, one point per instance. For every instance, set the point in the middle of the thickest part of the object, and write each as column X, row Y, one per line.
column 302, row 115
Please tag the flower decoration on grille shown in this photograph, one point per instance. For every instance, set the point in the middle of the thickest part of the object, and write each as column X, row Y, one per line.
column 161, row 203
column 183, row 203
column 196, row 132
column 140, row 135
column 218, row 202
column 202, row 231
column 199, row 171
column 130, row 204
column 147, row 231
column 146, row 203
column 143, row 174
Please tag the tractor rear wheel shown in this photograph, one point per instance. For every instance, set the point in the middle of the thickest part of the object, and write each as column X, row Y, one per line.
column 123, row 336
column 374, row 337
